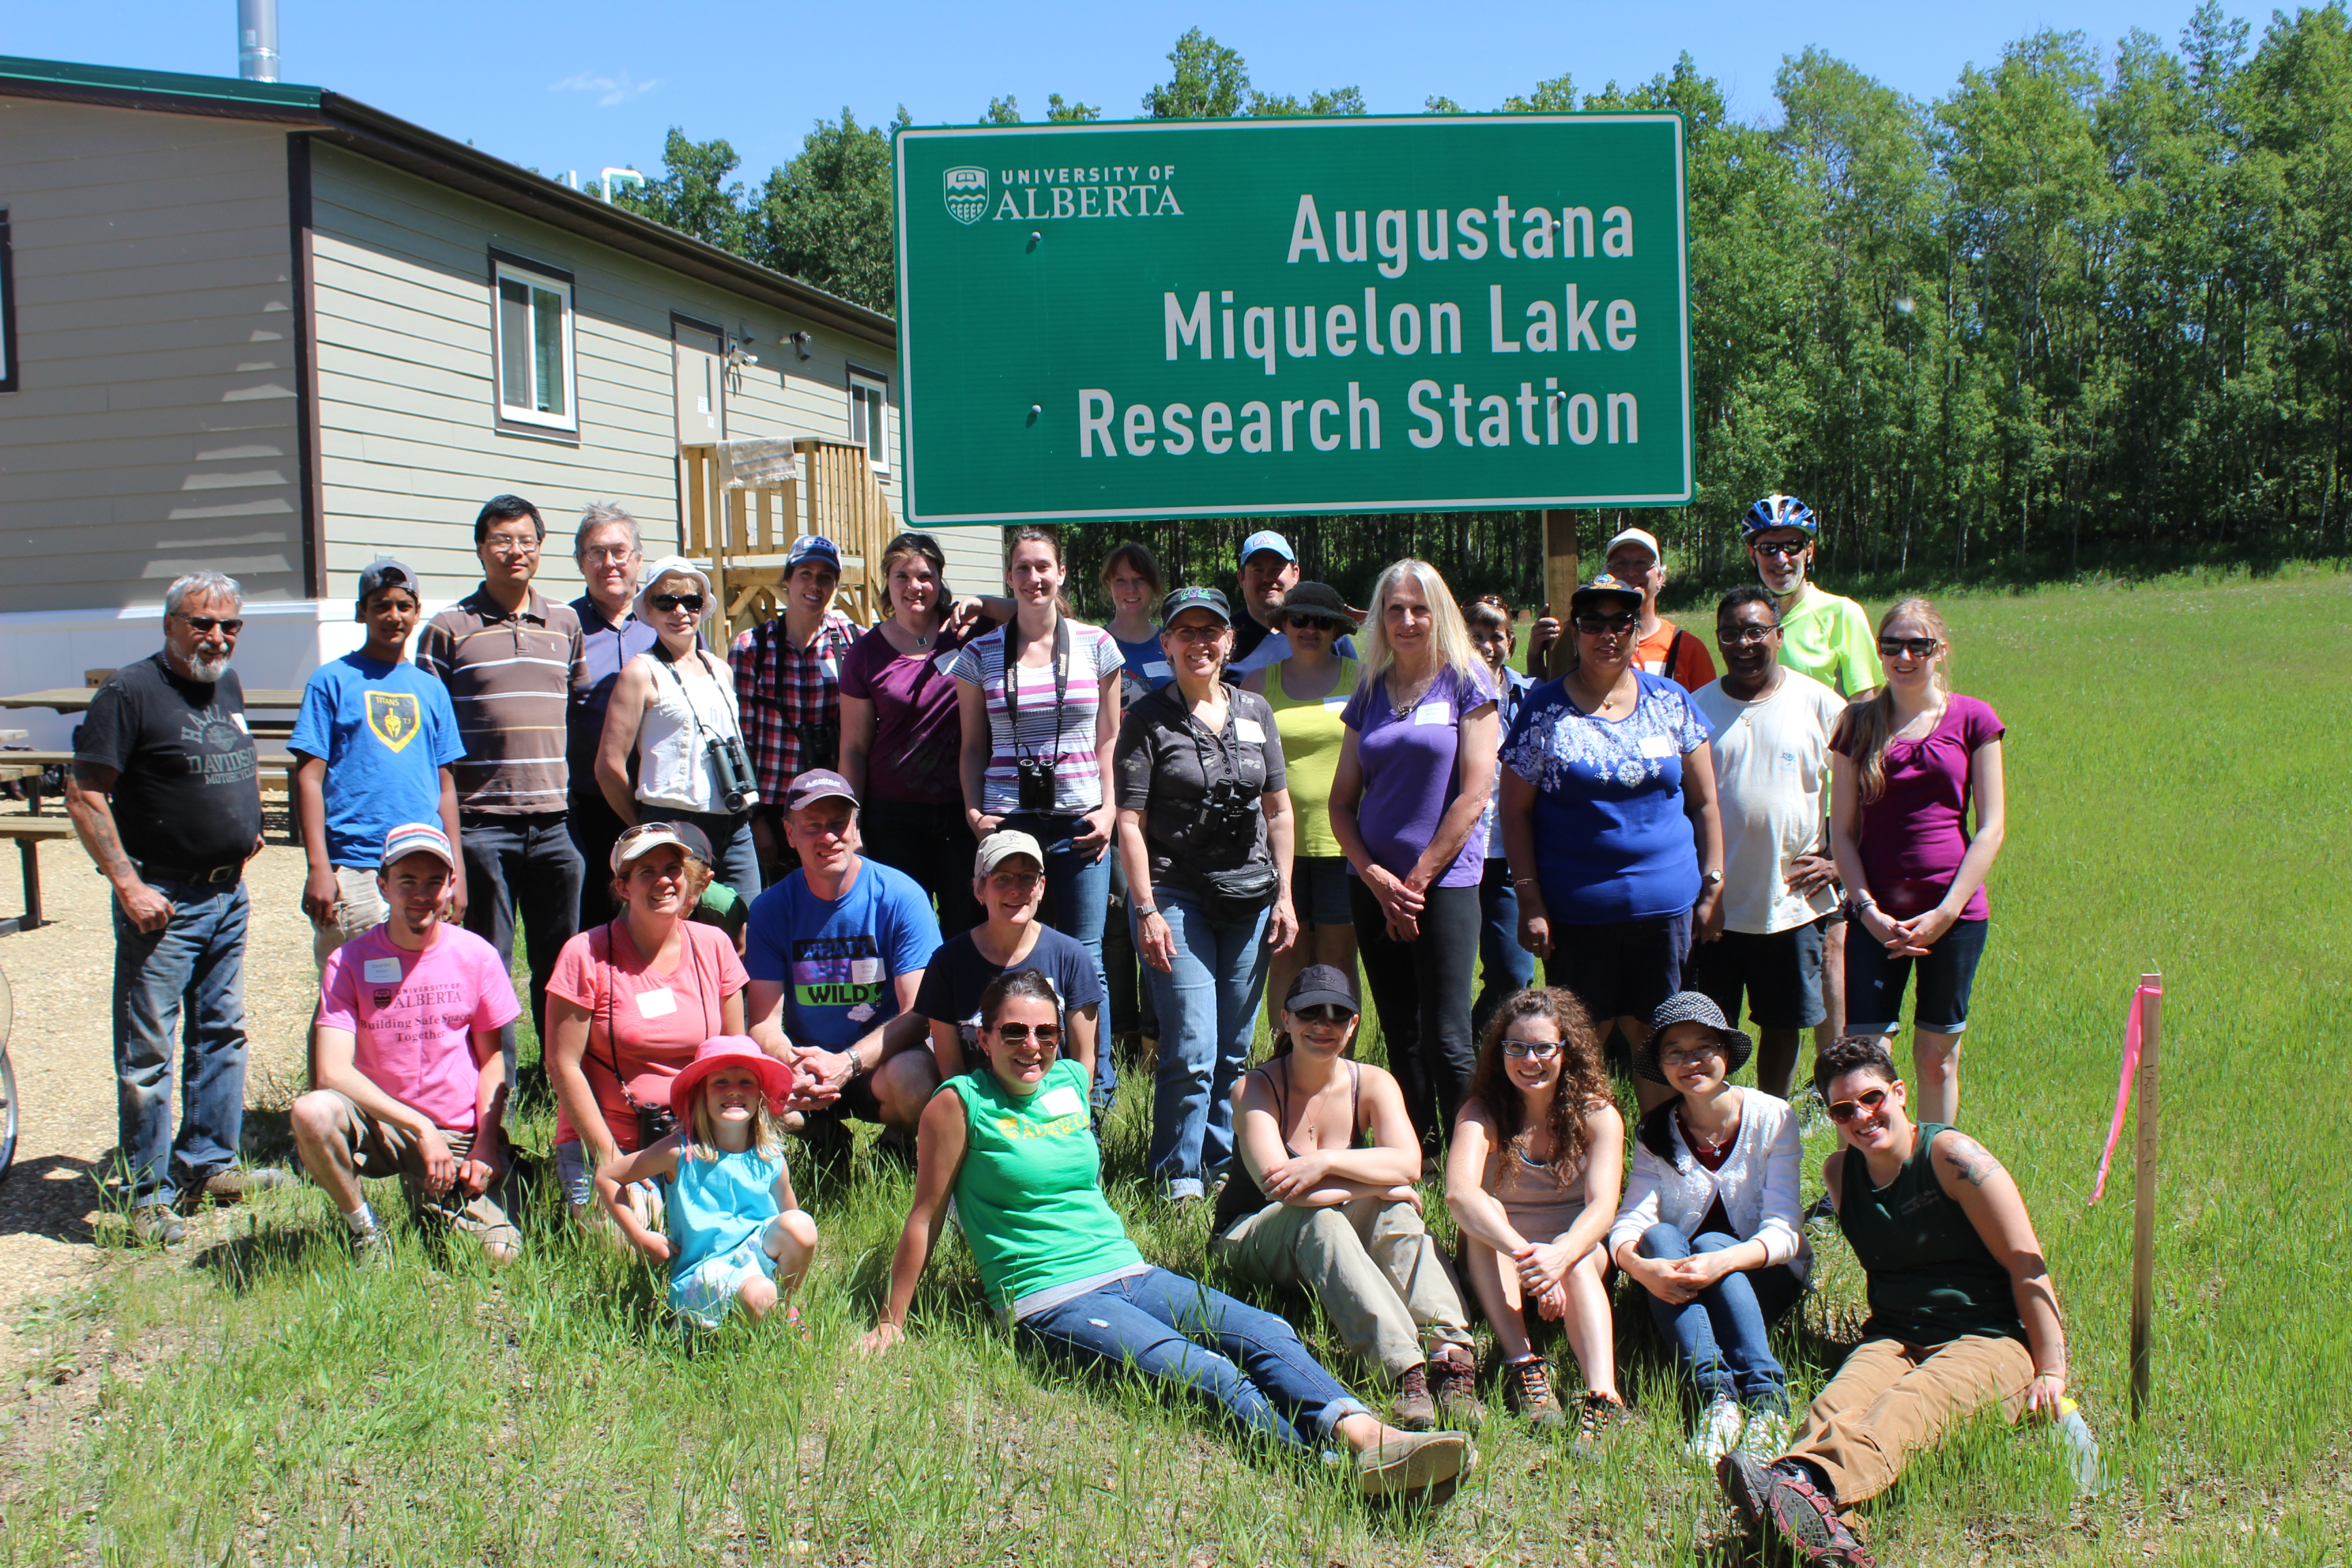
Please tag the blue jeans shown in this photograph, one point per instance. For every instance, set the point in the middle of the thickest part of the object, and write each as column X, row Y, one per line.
column 1162, row 1324
column 188, row 977
column 1719, row 1333
column 1077, row 893
column 522, row 865
column 1207, row 1016
column 1507, row 968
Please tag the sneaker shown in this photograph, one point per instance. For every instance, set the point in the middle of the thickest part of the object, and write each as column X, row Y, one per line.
column 371, row 1248
column 1595, row 1413
column 1415, row 1463
column 154, row 1225
column 240, row 1182
column 1767, row 1432
column 1455, row 1383
column 1412, row 1408
column 1784, row 1499
column 1719, row 1430
column 1526, row 1389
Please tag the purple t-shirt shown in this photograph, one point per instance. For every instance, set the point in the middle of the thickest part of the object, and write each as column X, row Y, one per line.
column 1915, row 835
column 1413, row 771
column 917, row 729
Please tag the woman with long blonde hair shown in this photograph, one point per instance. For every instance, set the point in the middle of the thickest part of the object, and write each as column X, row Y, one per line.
column 1416, row 767
column 1908, row 762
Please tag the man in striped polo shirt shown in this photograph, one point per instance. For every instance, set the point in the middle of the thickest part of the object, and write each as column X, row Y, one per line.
column 512, row 661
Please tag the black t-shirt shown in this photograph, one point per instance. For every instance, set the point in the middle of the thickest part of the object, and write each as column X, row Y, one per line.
column 1166, row 764
column 959, row 973
column 187, row 798
column 1248, row 632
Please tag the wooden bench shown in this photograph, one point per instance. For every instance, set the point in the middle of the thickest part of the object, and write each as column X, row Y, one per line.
column 30, row 833
column 29, row 765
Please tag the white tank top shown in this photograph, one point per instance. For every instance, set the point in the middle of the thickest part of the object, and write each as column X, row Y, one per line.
column 674, row 767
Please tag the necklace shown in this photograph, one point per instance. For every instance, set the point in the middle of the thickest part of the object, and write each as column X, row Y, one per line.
column 1708, row 1145
column 1608, row 699
column 1411, row 699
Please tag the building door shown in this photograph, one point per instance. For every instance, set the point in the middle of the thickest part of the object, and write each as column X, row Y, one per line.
column 698, row 377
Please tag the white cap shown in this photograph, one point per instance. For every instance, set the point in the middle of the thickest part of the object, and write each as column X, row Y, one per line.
column 674, row 566
column 1640, row 536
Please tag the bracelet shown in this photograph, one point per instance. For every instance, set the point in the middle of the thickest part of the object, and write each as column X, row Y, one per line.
column 1523, row 881
column 1144, row 910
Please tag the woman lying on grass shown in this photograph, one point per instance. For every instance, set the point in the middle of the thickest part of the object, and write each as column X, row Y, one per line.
column 1011, row 1142
column 735, row 1234
column 1962, row 1312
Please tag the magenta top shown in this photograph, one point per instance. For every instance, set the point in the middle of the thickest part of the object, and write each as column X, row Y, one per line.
column 1915, row 835
column 918, row 729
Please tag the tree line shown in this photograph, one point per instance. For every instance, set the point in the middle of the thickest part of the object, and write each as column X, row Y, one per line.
column 2089, row 311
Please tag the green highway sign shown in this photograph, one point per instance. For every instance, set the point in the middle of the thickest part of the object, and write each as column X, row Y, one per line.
column 1204, row 318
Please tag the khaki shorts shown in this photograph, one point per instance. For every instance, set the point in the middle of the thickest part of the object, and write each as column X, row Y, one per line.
column 379, row 1149
column 358, row 909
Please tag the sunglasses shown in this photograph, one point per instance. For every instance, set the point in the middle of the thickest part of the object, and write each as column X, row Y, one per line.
column 1538, row 1049
column 1314, row 624
column 1783, row 552
column 1606, row 625
column 232, row 626
column 1323, row 1012
column 1021, row 1034
column 690, row 602
column 1907, row 648
column 1845, row 1111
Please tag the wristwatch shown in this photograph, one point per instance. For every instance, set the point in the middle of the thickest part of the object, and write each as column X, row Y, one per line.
column 1712, row 879
column 1142, row 909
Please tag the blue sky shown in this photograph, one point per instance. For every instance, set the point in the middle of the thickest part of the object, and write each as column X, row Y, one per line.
column 591, row 83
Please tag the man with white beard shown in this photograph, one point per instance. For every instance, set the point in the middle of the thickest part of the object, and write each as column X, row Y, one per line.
column 165, row 797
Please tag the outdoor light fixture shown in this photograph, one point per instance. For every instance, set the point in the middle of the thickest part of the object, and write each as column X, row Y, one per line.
column 802, row 342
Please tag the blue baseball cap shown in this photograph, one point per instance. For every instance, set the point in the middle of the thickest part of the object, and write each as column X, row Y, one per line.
column 1266, row 538
column 811, row 547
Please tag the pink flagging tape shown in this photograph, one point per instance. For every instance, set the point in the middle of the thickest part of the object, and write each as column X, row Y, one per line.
column 2123, row 1086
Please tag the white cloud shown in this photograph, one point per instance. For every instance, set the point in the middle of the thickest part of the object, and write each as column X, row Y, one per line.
column 609, row 90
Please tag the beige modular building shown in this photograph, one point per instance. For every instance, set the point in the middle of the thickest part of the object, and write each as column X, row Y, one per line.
column 269, row 331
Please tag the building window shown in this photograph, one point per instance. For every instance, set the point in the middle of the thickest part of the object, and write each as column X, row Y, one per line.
column 869, row 417
column 534, row 338
column 7, row 309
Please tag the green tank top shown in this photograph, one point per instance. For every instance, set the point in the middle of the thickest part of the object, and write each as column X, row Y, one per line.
column 1311, row 738
column 1030, row 1196
column 1932, row 1278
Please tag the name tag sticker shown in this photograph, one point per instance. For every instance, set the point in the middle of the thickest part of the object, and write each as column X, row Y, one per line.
column 1432, row 714
column 379, row 969
column 659, row 1002
column 1250, row 730
column 865, row 970
column 1158, row 669
column 1061, row 1101
column 1657, row 745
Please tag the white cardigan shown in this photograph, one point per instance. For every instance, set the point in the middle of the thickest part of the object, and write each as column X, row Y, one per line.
column 1758, row 1185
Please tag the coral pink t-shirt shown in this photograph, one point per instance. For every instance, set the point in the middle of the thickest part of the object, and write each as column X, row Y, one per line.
column 661, row 1016
column 410, row 1016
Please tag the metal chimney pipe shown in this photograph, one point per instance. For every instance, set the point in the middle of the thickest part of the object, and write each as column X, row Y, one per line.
column 257, row 39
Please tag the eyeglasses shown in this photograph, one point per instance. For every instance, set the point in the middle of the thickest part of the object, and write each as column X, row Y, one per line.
column 1313, row 624
column 1196, row 633
column 1740, row 636
column 690, row 602
column 1022, row 882
column 1606, row 625
column 1022, row 1034
column 1323, row 1012
column 1690, row 1056
column 1784, row 550
column 229, row 626
column 511, row 544
column 1845, row 1111
column 613, row 552
column 1536, row 1049
column 1907, row 648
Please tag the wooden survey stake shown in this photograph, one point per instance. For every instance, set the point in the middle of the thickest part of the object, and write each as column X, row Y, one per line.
column 1561, row 579
column 2151, row 1002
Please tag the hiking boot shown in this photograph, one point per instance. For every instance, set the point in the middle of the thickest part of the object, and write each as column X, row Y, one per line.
column 370, row 1246
column 241, row 1182
column 1783, row 1499
column 154, row 1225
column 1416, row 1464
column 1595, row 1414
column 1717, row 1432
column 1455, row 1383
column 1412, row 1408
column 1526, row 1389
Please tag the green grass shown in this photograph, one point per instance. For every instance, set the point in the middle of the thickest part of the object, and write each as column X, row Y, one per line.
column 2176, row 772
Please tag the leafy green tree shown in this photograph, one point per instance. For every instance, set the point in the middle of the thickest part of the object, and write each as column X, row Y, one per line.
column 824, row 217
column 693, row 194
column 1058, row 109
column 1210, row 81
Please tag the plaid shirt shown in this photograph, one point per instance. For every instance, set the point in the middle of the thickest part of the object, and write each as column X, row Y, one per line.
column 781, row 689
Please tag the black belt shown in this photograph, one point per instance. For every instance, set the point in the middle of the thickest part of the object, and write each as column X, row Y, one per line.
column 208, row 876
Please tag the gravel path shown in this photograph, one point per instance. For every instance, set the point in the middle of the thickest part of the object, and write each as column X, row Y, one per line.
column 62, row 1049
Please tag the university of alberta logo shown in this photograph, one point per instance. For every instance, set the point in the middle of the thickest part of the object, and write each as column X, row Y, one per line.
column 967, row 194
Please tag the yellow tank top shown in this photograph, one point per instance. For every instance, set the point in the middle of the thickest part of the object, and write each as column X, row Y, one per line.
column 1311, row 733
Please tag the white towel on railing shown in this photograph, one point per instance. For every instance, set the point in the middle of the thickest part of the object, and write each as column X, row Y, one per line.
column 757, row 460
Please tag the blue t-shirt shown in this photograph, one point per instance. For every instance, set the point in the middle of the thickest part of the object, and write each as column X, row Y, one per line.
column 385, row 731
column 1148, row 668
column 1612, row 841
column 837, row 961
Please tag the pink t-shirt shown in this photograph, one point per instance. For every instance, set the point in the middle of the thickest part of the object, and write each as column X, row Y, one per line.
column 662, row 1015
column 410, row 1016
column 1914, row 834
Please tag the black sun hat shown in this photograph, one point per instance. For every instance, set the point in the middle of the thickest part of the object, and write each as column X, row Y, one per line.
column 1691, row 1007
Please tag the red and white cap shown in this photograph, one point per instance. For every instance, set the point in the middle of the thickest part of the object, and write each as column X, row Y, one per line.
column 416, row 839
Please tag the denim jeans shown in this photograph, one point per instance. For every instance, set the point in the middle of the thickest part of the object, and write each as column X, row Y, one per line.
column 1207, row 1016
column 1077, row 893
column 1719, row 1333
column 734, row 853
column 1162, row 1325
column 932, row 843
column 1421, row 993
column 529, row 866
column 595, row 826
column 1507, row 967
column 189, row 976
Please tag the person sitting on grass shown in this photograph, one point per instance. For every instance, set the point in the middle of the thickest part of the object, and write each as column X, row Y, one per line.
column 735, row 1233
column 1011, row 1142
column 1709, row 1228
column 1532, row 1181
column 412, row 1082
column 1963, row 1315
column 1319, row 1193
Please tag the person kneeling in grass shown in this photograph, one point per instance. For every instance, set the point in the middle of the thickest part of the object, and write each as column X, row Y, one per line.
column 1532, row 1180
column 736, row 1234
column 1709, row 1227
column 1963, row 1316
column 1011, row 1142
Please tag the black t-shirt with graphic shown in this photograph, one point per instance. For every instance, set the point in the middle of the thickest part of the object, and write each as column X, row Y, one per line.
column 188, row 798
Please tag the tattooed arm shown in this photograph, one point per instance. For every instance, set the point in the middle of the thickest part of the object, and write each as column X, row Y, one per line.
column 1972, row 1178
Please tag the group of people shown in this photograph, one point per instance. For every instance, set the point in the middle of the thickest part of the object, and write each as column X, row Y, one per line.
column 868, row 874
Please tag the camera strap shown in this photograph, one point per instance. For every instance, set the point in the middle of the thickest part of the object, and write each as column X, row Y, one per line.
column 1013, row 679
column 685, row 693
column 613, row 962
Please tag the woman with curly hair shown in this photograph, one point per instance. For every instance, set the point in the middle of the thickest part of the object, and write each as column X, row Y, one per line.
column 1532, row 1181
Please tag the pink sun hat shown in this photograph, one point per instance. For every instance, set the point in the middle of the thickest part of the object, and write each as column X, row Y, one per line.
column 728, row 1051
